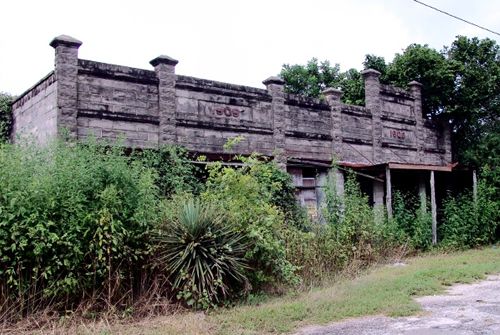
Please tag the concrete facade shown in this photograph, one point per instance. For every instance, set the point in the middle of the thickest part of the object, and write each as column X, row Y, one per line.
column 35, row 112
column 148, row 108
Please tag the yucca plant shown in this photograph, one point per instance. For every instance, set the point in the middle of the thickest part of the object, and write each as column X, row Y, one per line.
column 203, row 257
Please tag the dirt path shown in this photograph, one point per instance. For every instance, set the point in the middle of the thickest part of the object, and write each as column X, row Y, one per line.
column 464, row 309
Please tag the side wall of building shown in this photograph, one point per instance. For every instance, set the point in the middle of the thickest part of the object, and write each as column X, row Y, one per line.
column 35, row 112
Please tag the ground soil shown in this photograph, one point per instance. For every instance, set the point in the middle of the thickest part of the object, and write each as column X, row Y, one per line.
column 462, row 310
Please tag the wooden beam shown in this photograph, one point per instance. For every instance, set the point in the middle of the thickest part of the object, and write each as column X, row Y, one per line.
column 361, row 174
column 388, row 192
column 433, row 209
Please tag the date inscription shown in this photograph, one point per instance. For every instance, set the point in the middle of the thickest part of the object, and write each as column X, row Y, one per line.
column 228, row 111
column 398, row 134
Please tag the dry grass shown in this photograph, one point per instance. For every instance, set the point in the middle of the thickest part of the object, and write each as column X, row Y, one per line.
column 385, row 290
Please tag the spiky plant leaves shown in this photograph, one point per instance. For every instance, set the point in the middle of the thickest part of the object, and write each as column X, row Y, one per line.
column 203, row 257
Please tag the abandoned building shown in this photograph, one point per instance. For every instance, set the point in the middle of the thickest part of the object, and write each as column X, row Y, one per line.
column 387, row 142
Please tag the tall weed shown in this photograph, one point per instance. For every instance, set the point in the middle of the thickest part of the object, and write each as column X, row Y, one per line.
column 249, row 206
column 75, row 222
column 468, row 223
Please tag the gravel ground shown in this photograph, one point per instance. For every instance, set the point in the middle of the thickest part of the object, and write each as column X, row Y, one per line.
column 464, row 309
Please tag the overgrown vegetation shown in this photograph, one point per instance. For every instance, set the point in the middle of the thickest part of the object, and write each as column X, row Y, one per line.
column 469, row 222
column 246, row 195
column 94, row 228
column 174, row 171
column 75, row 225
column 413, row 219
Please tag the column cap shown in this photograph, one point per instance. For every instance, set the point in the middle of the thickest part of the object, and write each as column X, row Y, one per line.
column 65, row 40
column 370, row 73
column 332, row 94
column 164, row 59
column 274, row 80
column 414, row 83
column 332, row 91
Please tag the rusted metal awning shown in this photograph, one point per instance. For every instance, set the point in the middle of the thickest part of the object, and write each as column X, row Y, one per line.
column 399, row 166
column 404, row 166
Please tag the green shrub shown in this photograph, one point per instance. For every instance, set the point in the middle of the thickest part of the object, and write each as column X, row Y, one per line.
column 203, row 256
column 352, row 233
column 250, row 209
column 317, row 254
column 281, row 191
column 176, row 173
column 5, row 116
column 75, row 222
column 469, row 224
column 414, row 222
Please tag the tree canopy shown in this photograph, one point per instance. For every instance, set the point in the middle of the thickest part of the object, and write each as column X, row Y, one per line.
column 311, row 79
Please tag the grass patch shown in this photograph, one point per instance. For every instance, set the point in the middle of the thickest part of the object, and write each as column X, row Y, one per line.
column 381, row 290
column 384, row 290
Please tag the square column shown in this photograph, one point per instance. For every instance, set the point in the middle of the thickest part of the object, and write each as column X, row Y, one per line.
column 167, row 102
column 378, row 194
column 416, row 92
column 66, row 74
column 374, row 106
column 276, row 88
column 332, row 97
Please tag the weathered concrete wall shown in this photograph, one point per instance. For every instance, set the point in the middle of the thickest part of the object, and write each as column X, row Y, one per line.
column 117, row 103
column 208, row 113
column 149, row 108
column 308, row 129
column 35, row 112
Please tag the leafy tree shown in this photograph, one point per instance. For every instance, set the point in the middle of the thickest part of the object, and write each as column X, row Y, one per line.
column 431, row 69
column 474, row 107
column 377, row 63
column 310, row 79
column 5, row 116
column 353, row 87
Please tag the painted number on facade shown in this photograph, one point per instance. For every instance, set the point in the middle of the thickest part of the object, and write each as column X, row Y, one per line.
column 228, row 111
column 398, row 134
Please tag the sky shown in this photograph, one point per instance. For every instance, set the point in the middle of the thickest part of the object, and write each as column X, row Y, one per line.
column 240, row 42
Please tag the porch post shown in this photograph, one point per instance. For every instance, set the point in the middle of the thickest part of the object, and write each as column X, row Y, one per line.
column 474, row 186
column 388, row 191
column 433, row 209
column 422, row 193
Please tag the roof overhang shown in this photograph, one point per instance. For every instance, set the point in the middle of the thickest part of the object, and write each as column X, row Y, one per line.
column 425, row 167
column 399, row 166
